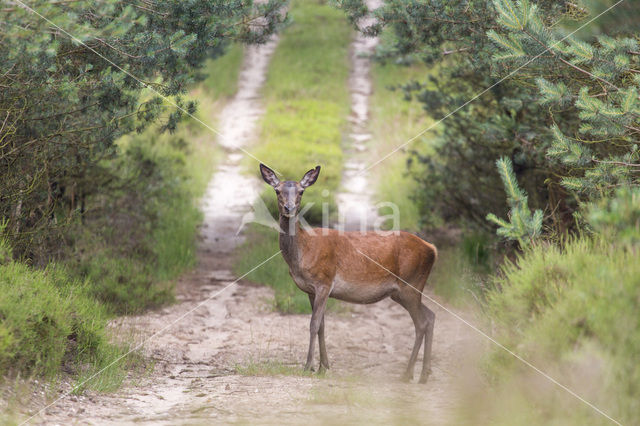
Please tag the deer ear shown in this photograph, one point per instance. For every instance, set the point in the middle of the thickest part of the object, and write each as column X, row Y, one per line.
column 269, row 175
column 310, row 177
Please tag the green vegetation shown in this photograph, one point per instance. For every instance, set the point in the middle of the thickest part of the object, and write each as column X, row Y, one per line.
column 119, row 256
column 65, row 104
column 271, row 368
column 130, row 263
column 307, row 104
column 100, row 174
column 262, row 243
column 566, row 118
column 49, row 323
column 522, row 226
column 574, row 310
column 596, row 84
column 131, row 260
column 307, row 101
column 393, row 122
column 222, row 73
column 563, row 131
column 462, row 274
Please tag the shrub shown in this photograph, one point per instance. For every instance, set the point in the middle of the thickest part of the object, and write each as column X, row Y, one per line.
column 575, row 308
column 48, row 322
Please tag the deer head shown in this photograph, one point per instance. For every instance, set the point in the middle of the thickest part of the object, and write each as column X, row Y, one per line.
column 289, row 192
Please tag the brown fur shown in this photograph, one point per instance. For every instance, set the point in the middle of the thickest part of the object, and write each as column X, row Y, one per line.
column 328, row 263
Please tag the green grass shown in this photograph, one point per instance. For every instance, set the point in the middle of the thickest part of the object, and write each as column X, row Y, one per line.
column 222, row 73
column 394, row 121
column 262, row 243
column 131, row 277
column 271, row 368
column 462, row 273
column 307, row 103
column 138, row 273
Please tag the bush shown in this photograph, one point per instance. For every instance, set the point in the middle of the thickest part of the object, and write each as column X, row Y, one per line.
column 131, row 243
column 619, row 216
column 574, row 309
column 49, row 322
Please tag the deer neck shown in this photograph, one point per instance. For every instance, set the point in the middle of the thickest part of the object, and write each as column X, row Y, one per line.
column 290, row 231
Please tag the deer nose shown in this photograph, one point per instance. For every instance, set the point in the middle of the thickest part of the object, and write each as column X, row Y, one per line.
column 289, row 209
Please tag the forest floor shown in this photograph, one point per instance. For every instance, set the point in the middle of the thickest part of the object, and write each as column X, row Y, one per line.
column 222, row 354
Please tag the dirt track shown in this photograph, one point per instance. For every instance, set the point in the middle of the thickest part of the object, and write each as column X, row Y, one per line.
column 196, row 379
column 199, row 361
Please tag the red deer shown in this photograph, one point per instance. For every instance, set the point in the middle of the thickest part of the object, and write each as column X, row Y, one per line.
column 328, row 263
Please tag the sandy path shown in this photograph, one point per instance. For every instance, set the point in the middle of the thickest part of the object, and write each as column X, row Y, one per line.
column 199, row 361
column 355, row 207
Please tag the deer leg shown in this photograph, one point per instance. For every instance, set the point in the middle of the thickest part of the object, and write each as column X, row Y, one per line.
column 319, row 305
column 428, row 338
column 324, row 359
column 411, row 302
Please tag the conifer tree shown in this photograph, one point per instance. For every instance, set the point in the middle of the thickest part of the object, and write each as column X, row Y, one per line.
column 522, row 226
column 69, row 88
column 564, row 111
column 598, row 80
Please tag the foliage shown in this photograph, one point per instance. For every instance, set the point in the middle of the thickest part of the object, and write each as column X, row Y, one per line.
column 50, row 324
column 118, row 258
column 135, row 238
column 6, row 252
column 522, row 226
column 618, row 217
column 394, row 120
column 133, row 242
column 462, row 273
column 453, row 164
column 306, row 103
column 63, row 103
column 522, row 114
column 597, row 81
column 561, row 114
column 574, row 309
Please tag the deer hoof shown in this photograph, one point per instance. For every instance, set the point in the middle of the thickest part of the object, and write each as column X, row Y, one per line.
column 424, row 378
column 309, row 367
column 407, row 377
